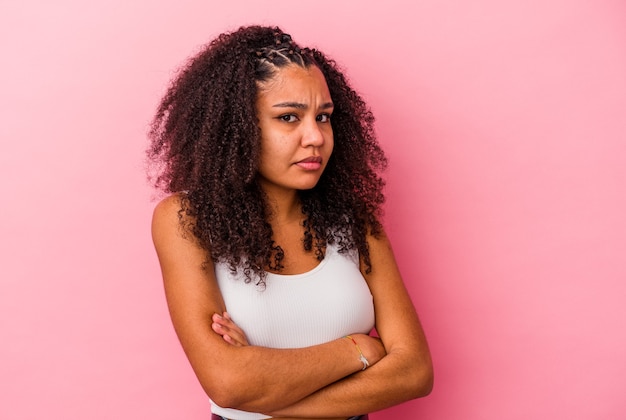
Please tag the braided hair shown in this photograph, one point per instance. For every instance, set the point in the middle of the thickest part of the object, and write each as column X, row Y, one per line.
column 205, row 144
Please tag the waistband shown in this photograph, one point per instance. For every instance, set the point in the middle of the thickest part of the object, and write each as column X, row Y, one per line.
column 362, row 417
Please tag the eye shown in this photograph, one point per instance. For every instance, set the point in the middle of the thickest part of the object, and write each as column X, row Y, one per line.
column 288, row 118
column 323, row 118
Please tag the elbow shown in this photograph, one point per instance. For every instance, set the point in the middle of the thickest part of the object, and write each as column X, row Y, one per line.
column 421, row 380
column 221, row 388
column 232, row 400
column 226, row 397
column 424, row 380
column 425, row 383
column 223, row 399
column 233, row 393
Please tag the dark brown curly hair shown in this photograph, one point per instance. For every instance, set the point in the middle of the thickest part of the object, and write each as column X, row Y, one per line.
column 205, row 143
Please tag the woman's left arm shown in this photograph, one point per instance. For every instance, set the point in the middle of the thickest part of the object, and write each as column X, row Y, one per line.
column 406, row 371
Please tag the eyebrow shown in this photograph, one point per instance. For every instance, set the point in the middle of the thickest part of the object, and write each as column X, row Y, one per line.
column 299, row 105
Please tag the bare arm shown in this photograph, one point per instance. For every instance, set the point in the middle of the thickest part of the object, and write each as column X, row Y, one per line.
column 233, row 376
column 406, row 371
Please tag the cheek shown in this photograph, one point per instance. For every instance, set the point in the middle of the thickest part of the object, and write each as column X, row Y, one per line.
column 274, row 153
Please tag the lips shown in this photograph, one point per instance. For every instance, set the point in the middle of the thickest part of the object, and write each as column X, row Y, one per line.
column 312, row 163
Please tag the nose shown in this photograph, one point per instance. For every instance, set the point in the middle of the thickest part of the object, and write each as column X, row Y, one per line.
column 312, row 134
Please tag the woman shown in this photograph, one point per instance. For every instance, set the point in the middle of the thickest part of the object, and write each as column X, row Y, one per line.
column 275, row 264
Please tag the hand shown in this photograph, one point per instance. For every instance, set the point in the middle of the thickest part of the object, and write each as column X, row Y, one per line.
column 230, row 332
column 372, row 347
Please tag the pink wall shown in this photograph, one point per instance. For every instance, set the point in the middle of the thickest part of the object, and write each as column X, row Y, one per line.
column 505, row 123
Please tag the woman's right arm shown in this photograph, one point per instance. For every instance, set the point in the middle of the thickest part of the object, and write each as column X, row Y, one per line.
column 249, row 378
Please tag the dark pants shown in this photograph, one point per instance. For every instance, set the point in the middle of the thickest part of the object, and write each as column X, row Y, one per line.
column 363, row 417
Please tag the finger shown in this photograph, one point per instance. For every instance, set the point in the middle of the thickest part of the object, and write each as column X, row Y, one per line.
column 233, row 329
column 219, row 329
column 226, row 327
column 222, row 323
column 236, row 335
column 230, row 340
column 218, row 318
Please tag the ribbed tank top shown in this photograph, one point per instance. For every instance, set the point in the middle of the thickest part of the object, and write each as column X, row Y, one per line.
column 300, row 310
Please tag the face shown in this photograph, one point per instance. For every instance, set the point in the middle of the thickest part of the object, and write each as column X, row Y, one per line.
column 294, row 109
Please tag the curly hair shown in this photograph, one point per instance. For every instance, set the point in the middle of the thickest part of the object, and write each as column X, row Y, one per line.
column 205, row 142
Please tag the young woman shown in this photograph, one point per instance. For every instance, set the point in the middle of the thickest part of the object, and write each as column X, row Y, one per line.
column 275, row 263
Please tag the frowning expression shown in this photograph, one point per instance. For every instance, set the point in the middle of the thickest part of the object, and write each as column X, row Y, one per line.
column 294, row 108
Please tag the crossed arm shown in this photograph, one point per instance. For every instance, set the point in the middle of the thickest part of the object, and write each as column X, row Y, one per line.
column 318, row 381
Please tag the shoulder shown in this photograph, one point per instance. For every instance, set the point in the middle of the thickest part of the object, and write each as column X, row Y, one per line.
column 380, row 253
column 167, row 208
column 180, row 253
column 168, row 219
column 379, row 242
column 169, row 211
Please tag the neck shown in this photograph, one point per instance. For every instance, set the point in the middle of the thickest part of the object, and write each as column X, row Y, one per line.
column 284, row 206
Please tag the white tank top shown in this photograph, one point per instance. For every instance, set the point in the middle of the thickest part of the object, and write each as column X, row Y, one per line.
column 292, row 311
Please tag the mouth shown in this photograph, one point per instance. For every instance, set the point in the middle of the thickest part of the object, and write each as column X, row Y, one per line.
column 312, row 163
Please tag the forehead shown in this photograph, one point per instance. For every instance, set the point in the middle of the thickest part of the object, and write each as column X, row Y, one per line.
column 294, row 82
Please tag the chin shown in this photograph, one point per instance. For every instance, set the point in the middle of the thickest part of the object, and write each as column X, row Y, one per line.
column 306, row 188
column 307, row 184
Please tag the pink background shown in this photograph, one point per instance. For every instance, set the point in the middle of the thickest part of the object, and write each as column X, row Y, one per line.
column 505, row 124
